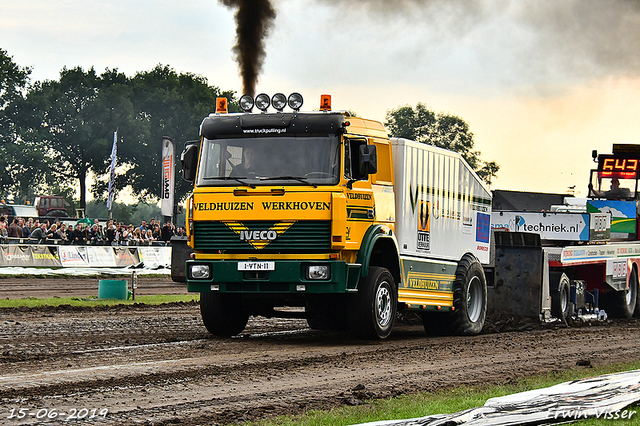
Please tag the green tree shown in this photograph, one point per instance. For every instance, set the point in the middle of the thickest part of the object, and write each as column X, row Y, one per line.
column 71, row 123
column 442, row 130
column 169, row 104
column 17, row 166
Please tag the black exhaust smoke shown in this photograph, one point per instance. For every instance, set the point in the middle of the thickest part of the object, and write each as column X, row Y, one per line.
column 254, row 19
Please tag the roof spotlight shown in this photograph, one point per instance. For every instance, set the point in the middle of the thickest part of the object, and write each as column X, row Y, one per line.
column 246, row 103
column 263, row 102
column 279, row 101
column 295, row 101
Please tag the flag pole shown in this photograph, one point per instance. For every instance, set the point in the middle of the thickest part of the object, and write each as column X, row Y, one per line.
column 112, row 173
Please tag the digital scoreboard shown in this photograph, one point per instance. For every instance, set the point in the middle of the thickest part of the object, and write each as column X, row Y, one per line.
column 620, row 165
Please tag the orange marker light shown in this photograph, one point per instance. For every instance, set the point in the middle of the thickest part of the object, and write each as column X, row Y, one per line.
column 221, row 105
column 325, row 102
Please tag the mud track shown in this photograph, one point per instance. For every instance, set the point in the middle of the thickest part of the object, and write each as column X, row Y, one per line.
column 158, row 365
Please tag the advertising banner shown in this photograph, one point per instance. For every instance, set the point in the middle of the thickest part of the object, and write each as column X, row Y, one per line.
column 73, row 256
column 168, row 177
column 55, row 256
column 16, row 255
column 623, row 214
column 126, row 256
column 101, row 256
column 155, row 255
column 45, row 256
column 550, row 226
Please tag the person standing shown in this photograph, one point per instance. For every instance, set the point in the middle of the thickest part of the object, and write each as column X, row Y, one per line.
column 79, row 235
column 61, row 234
column 39, row 234
column 25, row 228
column 3, row 227
column 167, row 231
column 15, row 230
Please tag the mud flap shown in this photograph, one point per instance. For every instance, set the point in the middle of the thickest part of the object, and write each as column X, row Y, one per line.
column 518, row 285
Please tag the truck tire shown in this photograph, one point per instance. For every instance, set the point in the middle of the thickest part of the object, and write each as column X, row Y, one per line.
column 375, row 305
column 636, row 312
column 327, row 313
column 469, row 297
column 623, row 303
column 222, row 314
column 560, row 303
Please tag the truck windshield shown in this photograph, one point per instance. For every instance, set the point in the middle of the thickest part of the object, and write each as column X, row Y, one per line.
column 305, row 160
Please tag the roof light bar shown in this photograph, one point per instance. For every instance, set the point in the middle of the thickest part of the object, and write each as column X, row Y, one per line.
column 279, row 101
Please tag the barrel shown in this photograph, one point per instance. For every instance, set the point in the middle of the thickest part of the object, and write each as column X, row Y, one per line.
column 112, row 289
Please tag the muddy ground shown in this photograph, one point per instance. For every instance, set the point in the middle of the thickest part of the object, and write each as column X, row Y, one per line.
column 146, row 365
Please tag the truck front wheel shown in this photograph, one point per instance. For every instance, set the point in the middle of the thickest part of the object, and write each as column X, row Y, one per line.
column 374, row 312
column 223, row 314
column 469, row 297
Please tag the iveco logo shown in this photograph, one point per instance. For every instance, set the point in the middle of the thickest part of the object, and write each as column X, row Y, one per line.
column 262, row 238
column 269, row 235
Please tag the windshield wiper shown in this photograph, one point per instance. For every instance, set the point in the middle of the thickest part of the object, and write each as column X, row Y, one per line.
column 237, row 179
column 298, row 178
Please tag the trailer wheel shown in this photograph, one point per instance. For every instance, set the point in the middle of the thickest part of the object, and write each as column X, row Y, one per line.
column 634, row 277
column 560, row 298
column 623, row 303
column 469, row 297
column 375, row 305
column 222, row 314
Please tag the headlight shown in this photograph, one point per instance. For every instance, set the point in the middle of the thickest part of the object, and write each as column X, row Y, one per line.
column 200, row 272
column 279, row 101
column 246, row 103
column 318, row 272
column 295, row 101
column 263, row 102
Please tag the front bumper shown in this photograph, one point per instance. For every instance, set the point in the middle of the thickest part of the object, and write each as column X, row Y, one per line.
column 287, row 277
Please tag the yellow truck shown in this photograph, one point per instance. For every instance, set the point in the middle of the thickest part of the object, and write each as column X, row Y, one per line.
column 321, row 215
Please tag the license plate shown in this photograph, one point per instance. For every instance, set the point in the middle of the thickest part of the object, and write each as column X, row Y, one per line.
column 256, row 266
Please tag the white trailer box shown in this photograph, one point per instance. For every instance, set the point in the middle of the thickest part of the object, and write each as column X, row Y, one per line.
column 443, row 209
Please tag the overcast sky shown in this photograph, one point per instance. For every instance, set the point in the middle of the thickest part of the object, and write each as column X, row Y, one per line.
column 540, row 82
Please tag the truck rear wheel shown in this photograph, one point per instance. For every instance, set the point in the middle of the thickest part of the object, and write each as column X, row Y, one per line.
column 623, row 303
column 560, row 298
column 223, row 314
column 374, row 313
column 469, row 297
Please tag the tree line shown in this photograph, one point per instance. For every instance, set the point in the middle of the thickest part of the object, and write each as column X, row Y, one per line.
column 56, row 133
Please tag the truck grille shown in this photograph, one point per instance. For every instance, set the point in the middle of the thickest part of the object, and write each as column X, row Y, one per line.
column 301, row 236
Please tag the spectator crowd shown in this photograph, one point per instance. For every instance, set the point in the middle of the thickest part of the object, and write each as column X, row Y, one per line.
column 114, row 233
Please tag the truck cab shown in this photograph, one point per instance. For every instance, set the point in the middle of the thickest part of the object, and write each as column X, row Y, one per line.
column 51, row 206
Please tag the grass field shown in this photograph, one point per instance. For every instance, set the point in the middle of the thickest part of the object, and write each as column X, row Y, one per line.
column 450, row 401
column 94, row 301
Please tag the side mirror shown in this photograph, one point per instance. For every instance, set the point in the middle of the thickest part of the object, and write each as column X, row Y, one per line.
column 368, row 160
column 189, row 161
